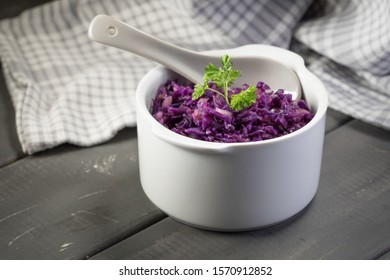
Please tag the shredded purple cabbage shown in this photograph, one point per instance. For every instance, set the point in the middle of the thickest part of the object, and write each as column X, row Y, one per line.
column 209, row 118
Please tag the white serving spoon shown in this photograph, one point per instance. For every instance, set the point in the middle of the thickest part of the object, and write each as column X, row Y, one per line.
column 190, row 64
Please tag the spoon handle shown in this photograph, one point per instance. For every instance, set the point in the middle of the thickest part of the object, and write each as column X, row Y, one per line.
column 110, row 31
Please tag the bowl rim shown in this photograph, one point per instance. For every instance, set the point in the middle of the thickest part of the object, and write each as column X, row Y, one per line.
column 294, row 61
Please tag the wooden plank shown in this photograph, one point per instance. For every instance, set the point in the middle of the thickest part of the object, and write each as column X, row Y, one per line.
column 385, row 256
column 15, row 7
column 68, row 195
column 30, row 189
column 69, row 203
column 335, row 119
column 10, row 149
column 348, row 219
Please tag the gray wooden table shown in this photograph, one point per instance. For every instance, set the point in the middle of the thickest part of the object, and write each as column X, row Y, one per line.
column 80, row 203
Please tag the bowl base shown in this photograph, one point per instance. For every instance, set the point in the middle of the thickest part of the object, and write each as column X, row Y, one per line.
column 242, row 229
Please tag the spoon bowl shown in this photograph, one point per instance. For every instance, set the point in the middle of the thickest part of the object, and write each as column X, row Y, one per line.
column 254, row 65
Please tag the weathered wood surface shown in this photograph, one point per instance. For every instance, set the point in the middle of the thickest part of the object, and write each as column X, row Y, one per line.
column 10, row 149
column 76, row 203
column 386, row 256
column 348, row 219
column 15, row 7
column 73, row 202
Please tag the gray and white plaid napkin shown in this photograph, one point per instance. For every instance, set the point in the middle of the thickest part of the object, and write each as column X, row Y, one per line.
column 353, row 39
column 66, row 88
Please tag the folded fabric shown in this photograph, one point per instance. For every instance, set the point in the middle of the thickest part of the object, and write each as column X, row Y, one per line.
column 68, row 89
column 353, row 39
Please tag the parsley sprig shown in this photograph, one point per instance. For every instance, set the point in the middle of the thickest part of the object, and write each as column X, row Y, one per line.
column 223, row 77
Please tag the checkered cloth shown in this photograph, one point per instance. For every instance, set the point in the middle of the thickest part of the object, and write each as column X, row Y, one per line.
column 353, row 39
column 66, row 88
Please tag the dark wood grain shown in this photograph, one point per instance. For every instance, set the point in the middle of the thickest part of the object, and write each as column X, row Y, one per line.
column 335, row 119
column 89, row 198
column 77, row 203
column 10, row 149
column 348, row 219
column 15, row 7
column 71, row 202
column 385, row 256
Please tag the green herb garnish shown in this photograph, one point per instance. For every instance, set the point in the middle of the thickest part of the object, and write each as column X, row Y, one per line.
column 223, row 78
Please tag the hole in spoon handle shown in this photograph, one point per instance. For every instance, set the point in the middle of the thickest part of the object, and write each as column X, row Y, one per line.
column 112, row 31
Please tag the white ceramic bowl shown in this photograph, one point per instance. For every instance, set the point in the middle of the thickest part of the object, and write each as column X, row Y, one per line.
column 231, row 186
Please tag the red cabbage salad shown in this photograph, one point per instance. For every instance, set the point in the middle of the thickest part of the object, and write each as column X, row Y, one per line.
column 215, row 112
